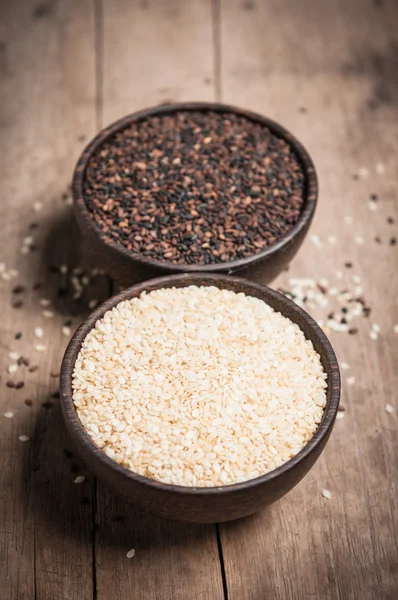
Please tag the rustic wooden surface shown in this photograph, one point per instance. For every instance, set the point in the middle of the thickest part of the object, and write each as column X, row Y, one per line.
column 326, row 70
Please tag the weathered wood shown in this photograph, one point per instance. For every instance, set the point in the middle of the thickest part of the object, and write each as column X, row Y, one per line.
column 47, row 89
column 154, row 52
column 325, row 70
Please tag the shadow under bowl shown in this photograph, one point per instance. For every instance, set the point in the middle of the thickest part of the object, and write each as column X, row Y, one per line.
column 129, row 268
column 201, row 504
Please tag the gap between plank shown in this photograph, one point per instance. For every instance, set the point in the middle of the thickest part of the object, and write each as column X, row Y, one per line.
column 222, row 565
column 99, row 60
column 216, row 22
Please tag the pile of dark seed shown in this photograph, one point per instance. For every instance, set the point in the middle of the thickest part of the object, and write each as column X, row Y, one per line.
column 194, row 187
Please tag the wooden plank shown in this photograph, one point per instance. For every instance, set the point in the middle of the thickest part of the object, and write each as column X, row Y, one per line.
column 47, row 110
column 325, row 70
column 154, row 52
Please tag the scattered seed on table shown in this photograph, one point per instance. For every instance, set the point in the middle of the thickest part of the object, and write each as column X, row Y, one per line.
column 68, row 322
column 13, row 355
column 66, row 331
column 80, row 479
column 380, row 169
column 18, row 289
column 389, row 408
column 40, row 348
column 24, row 438
column 358, row 239
column 55, row 394
column 348, row 220
column 10, row 384
column 130, row 553
column 340, row 415
column 54, row 374
column 37, row 206
column 18, row 335
column 17, row 304
column 39, row 332
column 63, row 269
column 341, row 408
column 12, row 369
column 47, row 405
column 377, row 240
column 93, row 303
column 390, row 220
column 19, row 385
column 45, row 302
column 375, row 327
column 351, row 380
column 348, row 265
column 393, row 241
column 326, row 494
column 231, row 176
column 8, row 414
column 395, row 328
column 28, row 402
column 48, row 314
column 316, row 240
column 344, row 366
column 332, row 239
column 372, row 206
column 373, row 335
column 33, row 368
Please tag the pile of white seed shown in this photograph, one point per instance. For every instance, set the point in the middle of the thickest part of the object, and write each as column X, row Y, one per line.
column 198, row 386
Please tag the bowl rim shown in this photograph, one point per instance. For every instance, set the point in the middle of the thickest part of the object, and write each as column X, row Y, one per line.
column 265, row 293
column 86, row 219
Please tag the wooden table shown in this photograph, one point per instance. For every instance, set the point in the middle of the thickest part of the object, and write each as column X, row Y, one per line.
column 326, row 70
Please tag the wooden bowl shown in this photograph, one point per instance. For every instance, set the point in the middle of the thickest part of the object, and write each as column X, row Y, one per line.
column 128, row 267
column 203, row 504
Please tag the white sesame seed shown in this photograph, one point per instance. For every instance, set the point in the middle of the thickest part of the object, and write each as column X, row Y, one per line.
column 373, row 335
column 363, row 172
column 37, row 206
column 12, row 368
column 389, row 408
column 13, row 355
column 380, row 169
column 39, row 332
column 356, row 279
column 326, row 494
column 358, row 239
column 66, row 331
column 344, row 366
column 80, row 479
column 375, row 327
column 28, row 241
column 63, row 269
column 24, row 438
column 68, row 201
column 395, row 328
column 40, row 348
column 45, row 302
column 48, row 314
column 348, row 220
column 340, row 415
column 339, row 275
column 351, row 380
column 332, row 239
column 93, row 303
column 372, row 206
column 236, row 391
column 130, row 553
column 8, row 415
column 316, row 240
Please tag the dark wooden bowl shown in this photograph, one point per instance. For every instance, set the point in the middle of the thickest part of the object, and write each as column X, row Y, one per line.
column 212, row 504
column 128, row 268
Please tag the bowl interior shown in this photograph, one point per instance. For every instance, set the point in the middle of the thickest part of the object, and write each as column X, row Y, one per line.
column 276, row 300
column 311, row 187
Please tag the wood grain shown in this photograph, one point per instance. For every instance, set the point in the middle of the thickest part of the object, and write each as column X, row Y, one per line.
column 47, row 109
column 325, row 71
column 154, row 52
